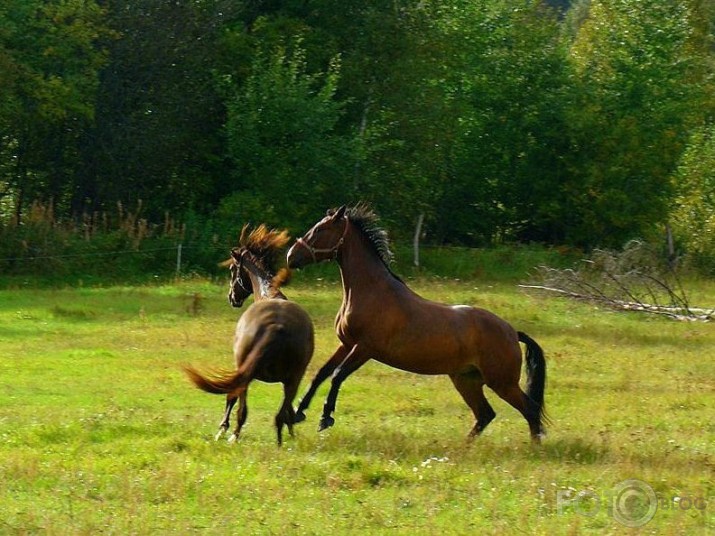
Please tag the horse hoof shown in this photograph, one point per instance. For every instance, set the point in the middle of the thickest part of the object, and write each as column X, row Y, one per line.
column 325, row 423
column 232, row 439
column 219, row 434
column 536, row 439
column 299, row 417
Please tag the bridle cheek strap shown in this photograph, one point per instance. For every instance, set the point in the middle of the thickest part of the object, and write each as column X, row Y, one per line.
column 332, row 250
column 239, row 279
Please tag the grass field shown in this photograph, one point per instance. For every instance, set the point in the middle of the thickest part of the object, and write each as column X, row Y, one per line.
column 101, row 433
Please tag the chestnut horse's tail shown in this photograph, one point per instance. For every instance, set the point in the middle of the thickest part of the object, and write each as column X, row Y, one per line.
column 225, row 382
column 219, row 382
column 535, row 373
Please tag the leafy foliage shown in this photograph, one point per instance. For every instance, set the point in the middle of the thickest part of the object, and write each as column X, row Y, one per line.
column 50, row 54
column 498, row 121
column 638, row 90
column 508, row 83
column 693, row 217
column 282, row 137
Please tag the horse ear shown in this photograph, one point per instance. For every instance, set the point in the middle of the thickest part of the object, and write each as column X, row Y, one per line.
column 339, row 213
column 244, row 234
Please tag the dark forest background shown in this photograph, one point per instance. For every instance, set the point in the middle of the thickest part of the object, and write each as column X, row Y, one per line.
column 134, row 123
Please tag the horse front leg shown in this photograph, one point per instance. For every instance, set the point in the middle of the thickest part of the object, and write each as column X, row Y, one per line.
column 326, row 370
column 354, row 360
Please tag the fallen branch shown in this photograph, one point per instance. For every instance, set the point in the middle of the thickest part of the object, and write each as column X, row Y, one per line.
column 634, row 279
column 677, row 313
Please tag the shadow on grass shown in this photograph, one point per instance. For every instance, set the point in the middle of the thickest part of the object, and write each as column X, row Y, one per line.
column 642, row 335
column 395, row 444
column 570, row 450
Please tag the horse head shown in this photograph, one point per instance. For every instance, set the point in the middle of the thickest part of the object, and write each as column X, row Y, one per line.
column 240, row 286
column 322, row 242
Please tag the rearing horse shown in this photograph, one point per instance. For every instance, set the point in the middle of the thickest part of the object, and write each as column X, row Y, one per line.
column 274, row 338
column 381, row 318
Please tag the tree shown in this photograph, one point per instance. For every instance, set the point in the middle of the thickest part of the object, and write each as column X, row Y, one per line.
column 290, row 163
column 505, row 83
column 693, row 213
column 390, row 61
column 157, row 136
column 638, row 89
column 50, row 58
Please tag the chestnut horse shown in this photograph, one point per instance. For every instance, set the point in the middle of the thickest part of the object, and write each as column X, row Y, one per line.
column 274, row 338
column 381, row 318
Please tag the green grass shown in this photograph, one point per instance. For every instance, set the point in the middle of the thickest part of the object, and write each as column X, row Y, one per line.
column 100, row 431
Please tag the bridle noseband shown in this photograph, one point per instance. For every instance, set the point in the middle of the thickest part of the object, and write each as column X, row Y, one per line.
column 332, row 250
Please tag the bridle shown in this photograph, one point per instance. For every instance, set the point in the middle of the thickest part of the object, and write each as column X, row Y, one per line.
column 239, row 279
column 245, row 258
column 332, row 250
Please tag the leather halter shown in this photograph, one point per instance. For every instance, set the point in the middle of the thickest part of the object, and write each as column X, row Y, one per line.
column 332, row 250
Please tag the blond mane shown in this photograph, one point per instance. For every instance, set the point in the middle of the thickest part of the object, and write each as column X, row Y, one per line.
column 265, row 245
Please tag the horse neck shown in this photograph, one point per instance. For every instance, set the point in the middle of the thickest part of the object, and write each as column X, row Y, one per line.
column 263, row 289
column 361, row 268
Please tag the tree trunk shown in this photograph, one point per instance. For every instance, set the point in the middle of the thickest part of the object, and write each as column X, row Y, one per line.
column 416, row 240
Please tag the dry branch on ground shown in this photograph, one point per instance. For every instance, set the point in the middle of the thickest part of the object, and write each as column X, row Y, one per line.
column 634, row 279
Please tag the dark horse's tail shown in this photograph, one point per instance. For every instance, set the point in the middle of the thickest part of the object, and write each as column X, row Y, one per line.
column 219, row 382
column 535, row 374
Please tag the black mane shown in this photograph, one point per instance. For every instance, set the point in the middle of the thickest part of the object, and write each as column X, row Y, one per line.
column 367, row 221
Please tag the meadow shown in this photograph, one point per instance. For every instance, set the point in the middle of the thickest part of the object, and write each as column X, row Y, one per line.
column 100, row 432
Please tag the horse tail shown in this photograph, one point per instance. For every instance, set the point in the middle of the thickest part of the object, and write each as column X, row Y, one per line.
column 218, row 382
column 282, row 278
column 535, row 373
column 224, row 382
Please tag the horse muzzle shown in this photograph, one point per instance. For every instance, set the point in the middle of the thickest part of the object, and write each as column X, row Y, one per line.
column 235, row 302
column 297, row 256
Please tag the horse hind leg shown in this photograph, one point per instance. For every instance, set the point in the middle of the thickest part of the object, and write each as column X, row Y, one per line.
column 286, row 414
column 226, row 421
column 242, row 415
column 471, row 387
column 527, row 407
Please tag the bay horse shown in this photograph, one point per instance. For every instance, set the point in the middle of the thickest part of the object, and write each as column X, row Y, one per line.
column 381, row 318
column 274, row 338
